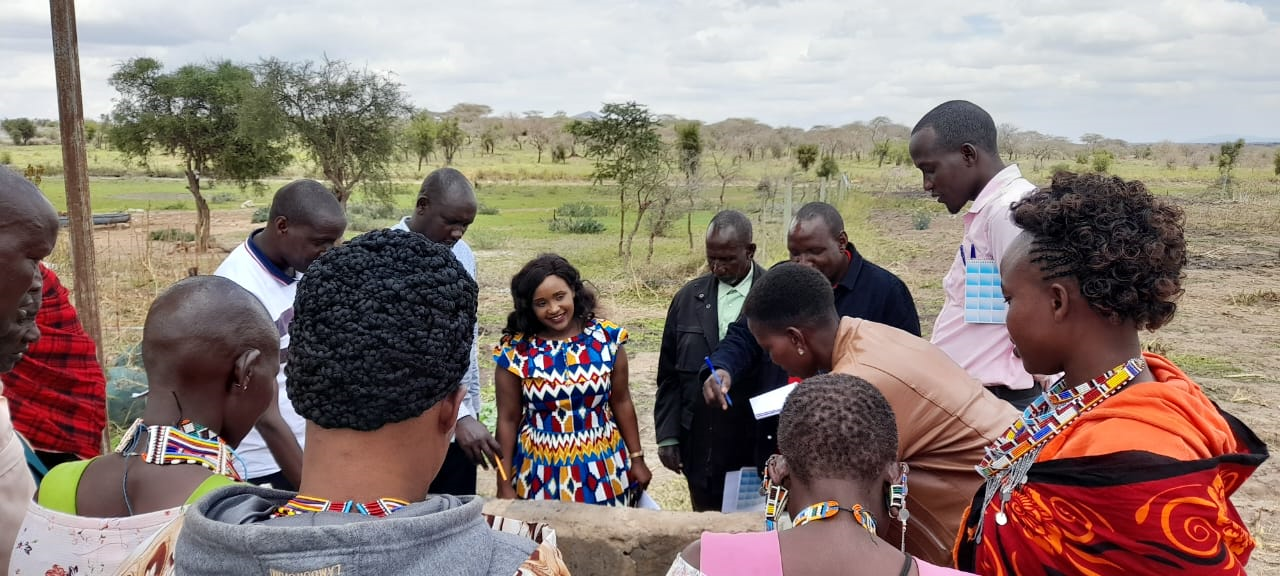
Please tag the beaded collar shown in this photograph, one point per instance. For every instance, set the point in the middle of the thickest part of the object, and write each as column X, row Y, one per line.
column 307, row 504
column 186, row 443
column 830, row 509
column 1008, row 460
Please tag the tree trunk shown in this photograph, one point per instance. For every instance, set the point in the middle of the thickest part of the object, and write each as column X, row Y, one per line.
column 635, row 227
column 202, row 210
column 688, row 220
column 723, row 183
column 622, row 218
column 539, row 154
column 343, row 192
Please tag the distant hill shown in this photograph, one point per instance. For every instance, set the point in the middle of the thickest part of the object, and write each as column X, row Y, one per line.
column 588, row 115
column 1223, row 138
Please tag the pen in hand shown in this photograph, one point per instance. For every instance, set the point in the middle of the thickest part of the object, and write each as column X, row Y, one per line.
column 719, row 382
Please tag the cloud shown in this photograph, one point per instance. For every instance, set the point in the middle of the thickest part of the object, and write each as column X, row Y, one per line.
column 1139, row 70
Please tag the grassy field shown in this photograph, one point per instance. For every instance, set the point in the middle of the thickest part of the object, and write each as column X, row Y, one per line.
column 1224, row 336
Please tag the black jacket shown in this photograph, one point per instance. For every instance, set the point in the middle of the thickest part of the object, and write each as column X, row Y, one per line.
column 867, row 291
column 712, row 441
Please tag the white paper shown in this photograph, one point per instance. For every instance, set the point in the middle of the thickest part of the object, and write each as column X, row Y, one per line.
column 770, row 403
column 742, row 491
column 647, row 502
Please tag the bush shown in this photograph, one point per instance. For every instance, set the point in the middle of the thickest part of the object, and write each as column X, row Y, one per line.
column 1102, row 161
column 922, row 220
column 1059, row 167
column 487, row 210
column 373, row 210
column 576, row 225
column 559, row 154
column 6, row 158
column 223, row 198
column 828, row 168
column 172, row 235
column 580, row 210
column 1082, row 159
column 260, row 215
column 175, row 206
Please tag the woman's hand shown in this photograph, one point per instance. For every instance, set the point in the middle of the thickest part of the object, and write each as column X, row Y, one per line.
column 639, row 474
column 506, row 491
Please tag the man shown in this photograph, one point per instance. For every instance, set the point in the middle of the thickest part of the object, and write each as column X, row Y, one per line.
column 954, row 146
column 446, row 207
column 59, row 381
column 304, row 221
column 381, row 394
column 28, row 231
column 817, row 239
column 694, row 439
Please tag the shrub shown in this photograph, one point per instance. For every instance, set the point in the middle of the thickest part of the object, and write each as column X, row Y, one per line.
column 175, row 206
column 828, row 168
column 487, row 210
column 1059, row 167
column 922, row 219
column 6, row 158
column 223, row 198
column 260, row 215
column 576, row 225
column 1082, row 159
column 580, row 210
column 373, row 210
column 560, row 154
column 173, row 235
column 1102, row 161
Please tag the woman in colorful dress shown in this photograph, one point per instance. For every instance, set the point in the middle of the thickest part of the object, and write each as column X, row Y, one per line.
column 566, row 422
column 1123, row 466
column 211, row 355
column 838, row 475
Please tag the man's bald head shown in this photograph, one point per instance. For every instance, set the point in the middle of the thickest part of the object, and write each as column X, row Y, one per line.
column 205, row 319
column 446, row 183
column 446, row 207
column 731, row 225
column 306, row 202
column 28, row 232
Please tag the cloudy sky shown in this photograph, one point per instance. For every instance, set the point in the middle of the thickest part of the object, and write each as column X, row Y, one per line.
column 1141, row 70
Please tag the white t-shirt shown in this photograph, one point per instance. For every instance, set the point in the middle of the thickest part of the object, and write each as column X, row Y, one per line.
column 249, row 268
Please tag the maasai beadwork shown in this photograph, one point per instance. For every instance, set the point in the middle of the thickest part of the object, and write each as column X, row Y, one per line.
column 306, row 504
column 830, row 509
column 898, row 502
column 188, row 443
column 1008, row 460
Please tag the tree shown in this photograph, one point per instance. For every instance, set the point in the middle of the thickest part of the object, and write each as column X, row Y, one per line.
column 1092, row 140
column 21, row 130
column 344, row 117
column 540, row 132
column 1277, row 161
column 422, row 136
column 726, row 170
column 91, row 130
column 1101, row 161
column 628, row 151
column 828, row 168
column 880, row 137
column 1227, row 157
column 1010, row 139
column 205, row 115
column 806, row 155
column 451, row 138
column 689, row 150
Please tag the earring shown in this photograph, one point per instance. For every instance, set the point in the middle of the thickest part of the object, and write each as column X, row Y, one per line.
column 801, row 351
column 898, row 502
column 776, row 498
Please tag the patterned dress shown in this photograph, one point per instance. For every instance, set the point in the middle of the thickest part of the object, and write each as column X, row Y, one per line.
column 569, row 448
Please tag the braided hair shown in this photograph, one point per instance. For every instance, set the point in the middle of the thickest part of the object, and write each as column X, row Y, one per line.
column 1122, row 245
column 523, row 319
column 837, row 426
column 791, row 295
column 382, row 331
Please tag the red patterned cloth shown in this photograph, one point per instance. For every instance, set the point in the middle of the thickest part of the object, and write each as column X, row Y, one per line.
column 57, row 393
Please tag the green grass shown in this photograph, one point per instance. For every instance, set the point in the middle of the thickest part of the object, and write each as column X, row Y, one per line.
column 1202, row 366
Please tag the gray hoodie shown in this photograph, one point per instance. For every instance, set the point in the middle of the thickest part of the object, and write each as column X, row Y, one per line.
column 231, row 531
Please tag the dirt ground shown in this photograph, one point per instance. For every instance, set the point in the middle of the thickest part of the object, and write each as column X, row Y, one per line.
column 1225, row 334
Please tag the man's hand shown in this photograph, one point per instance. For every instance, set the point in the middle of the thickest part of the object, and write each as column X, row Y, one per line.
column 713, row 393
column 670, row 457
column 476, row 442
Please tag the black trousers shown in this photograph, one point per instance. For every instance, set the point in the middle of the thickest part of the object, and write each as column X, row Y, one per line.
column 277, row 481
column 457, row 476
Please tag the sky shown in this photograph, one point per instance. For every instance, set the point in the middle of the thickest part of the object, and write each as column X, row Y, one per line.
column 1139, row 70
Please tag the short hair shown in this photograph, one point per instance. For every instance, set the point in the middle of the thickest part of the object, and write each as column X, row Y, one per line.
column 523, row 321
column 791, row 294
column 731, row 220
column 304, row 202
column 824, row 211
column 1122, row 245
column 205, row 315
column 444, row 181
column 382, row 331
column 959, row 122
column 837, row 426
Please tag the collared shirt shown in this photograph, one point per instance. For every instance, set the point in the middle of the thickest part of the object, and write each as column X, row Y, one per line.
column 984, row 350
column 729, row 300
column 253, row 271
column 57, row 392
column 471, row 379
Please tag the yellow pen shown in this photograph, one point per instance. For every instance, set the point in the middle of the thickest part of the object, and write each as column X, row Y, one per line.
column 502, row 468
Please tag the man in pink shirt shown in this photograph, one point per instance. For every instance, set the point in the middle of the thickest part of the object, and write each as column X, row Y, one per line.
column 954, row 146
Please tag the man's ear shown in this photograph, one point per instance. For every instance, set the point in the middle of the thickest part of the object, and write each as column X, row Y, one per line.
column 244, row 370
column 969, row 153
column 449, row 408
column 421, row 205
column 843, row 239
column 751, row 251
column 281, row 224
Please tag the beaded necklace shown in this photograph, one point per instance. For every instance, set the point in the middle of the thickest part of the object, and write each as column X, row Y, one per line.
column 1010, row 457
column 830, row 509
column 307, row 504
column 186, row 443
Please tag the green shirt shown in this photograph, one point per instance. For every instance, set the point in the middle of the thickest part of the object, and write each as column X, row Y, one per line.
column 729, row 300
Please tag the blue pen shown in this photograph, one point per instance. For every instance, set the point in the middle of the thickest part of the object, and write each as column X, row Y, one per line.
column 712, row 367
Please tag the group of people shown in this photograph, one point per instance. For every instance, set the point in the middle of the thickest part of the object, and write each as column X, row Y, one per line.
column 313, row 405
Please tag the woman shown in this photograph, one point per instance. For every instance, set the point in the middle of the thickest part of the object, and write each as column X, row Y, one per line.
column 1124, row 465
column 210, row 351
column 838, row 463
column 566, row 423
column 945, row 418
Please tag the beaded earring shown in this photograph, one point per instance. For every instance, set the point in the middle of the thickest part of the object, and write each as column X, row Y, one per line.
column 775, row 498
column 898, row 502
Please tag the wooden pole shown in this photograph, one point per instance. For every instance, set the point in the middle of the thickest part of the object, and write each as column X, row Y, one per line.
column 66, row 61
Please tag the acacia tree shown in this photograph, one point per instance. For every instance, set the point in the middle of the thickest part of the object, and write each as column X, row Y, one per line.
column 203, row 115
column 628, row 151
column 20, row 130
column 726, row 170
column 806, row 155
column 344, row 117
column 422, row 136
column 689, row 149
column 450, row 136
column 1227, row 157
